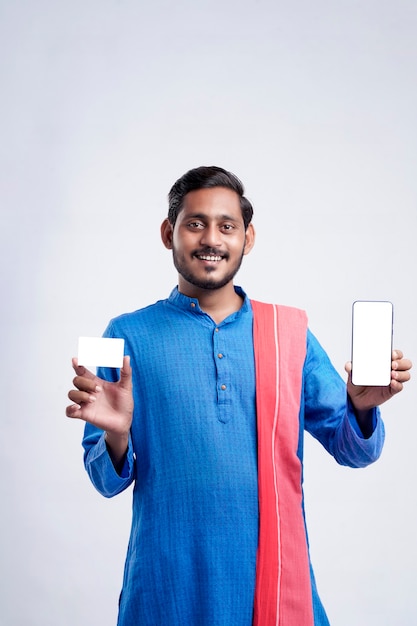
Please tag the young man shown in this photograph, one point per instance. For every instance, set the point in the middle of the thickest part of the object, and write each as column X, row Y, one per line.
column 207, row 420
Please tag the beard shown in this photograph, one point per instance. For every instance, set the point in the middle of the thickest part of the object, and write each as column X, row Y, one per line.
column 208, row 282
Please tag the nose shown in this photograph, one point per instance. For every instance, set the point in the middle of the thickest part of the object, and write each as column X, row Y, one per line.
column 210, row 236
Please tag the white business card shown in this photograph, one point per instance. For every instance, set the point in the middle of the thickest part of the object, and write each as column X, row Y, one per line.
column 100, row 351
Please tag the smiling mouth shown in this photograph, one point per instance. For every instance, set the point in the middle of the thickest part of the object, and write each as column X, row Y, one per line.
column 209, row 257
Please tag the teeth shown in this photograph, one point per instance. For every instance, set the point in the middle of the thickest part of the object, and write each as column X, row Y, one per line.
column 210, row 258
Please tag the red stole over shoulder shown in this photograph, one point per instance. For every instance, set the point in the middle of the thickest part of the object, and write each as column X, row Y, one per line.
column 283, row 595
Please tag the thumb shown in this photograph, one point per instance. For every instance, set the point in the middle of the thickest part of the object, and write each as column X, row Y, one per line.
column 348, row 367
column 126, row 374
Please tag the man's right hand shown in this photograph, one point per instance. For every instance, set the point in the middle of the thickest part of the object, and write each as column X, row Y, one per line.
column 109, row 406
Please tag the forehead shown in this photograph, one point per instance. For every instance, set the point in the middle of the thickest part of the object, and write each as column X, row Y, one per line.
column 216, row 201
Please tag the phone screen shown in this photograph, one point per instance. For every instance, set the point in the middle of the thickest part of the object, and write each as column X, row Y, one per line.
column 372, row 325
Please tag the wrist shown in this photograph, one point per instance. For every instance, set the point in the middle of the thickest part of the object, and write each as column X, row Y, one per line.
column 117, row 445
column 365, row 420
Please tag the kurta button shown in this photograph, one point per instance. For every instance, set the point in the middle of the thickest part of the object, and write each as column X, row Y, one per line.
column 220, row 355
column 217, row 330
column 192, row 305
column 223, row 387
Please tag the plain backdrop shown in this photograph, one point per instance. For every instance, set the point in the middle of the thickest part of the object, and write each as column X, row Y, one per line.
column 103, row 106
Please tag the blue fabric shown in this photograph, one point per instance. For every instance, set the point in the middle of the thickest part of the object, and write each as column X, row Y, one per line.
column 193, row 461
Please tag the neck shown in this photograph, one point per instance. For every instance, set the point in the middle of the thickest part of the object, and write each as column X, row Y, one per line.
column 218, row 303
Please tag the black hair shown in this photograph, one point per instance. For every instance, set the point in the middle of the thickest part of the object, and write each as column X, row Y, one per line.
column 205, row 178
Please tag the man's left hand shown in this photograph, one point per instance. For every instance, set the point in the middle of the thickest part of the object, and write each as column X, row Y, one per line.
column 366, row 398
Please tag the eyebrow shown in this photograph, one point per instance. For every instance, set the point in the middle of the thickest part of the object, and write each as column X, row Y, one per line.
column 203, row 216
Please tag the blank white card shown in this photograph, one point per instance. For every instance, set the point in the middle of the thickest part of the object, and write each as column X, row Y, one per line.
column 100, row 352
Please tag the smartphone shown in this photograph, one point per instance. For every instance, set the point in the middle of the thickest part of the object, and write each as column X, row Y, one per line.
column 372, row 329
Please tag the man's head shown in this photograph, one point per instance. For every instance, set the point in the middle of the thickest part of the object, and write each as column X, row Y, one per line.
column 206, row 178
column 208, row 229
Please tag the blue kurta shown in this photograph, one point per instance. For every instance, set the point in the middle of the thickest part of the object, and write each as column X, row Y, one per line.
column 193, row 460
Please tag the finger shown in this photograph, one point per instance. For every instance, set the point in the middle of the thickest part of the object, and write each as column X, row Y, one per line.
column 396, row 386
column 87, row 384
column 81, row 397
column 402, row 365
column 396, row 355
column 81, row 370
column 126, row 373
column 401, row 376
column 74, row 410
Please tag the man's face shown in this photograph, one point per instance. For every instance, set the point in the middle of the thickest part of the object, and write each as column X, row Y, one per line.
column 209, row 239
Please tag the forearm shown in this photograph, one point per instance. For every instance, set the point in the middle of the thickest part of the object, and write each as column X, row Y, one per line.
column 354, row 437
column 365, row 420
column 117, row 446
column 100, row 467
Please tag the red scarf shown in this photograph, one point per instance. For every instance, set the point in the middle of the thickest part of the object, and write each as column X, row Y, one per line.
column 283, row 595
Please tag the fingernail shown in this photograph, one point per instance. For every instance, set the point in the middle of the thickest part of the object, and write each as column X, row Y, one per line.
column 98, row 388
column 92, row 399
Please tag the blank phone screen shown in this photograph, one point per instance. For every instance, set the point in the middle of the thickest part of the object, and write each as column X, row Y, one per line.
column 371, row 343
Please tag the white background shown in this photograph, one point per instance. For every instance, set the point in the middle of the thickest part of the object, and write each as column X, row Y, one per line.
column 103, row 106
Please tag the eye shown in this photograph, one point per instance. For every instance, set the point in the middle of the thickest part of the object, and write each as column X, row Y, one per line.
column 228, row 227
column 195, row 225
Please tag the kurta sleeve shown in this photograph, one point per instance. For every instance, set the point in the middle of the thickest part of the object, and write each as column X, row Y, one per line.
column 97, row 460
column 329, row 415
column 99, row 465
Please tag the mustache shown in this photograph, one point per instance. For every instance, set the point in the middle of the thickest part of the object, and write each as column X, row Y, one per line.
column 211, row 252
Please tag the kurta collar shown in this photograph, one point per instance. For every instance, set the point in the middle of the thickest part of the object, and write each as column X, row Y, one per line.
column 191, row 304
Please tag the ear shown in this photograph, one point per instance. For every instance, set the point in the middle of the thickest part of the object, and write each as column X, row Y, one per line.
column 167, row 231
column 249, row 239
